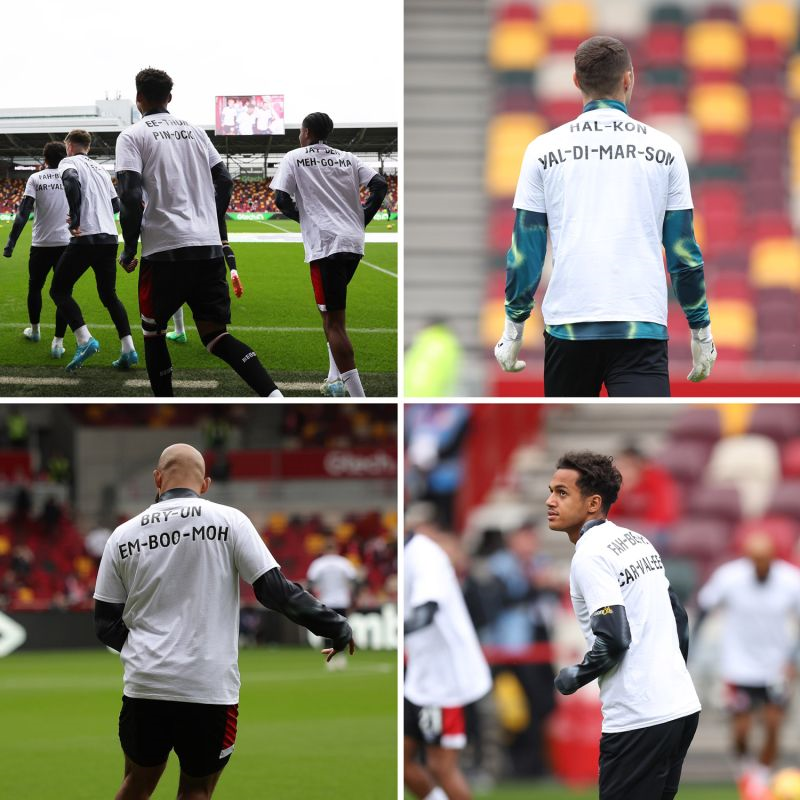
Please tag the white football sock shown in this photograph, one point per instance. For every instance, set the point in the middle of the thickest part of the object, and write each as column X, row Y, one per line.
column 57, row 342
column 333, row 370
column 437, row 793
column 177, row 318
column 82, row 334
column 127, row 344
column 34, row 328
column 276, row 393
column 352, row 382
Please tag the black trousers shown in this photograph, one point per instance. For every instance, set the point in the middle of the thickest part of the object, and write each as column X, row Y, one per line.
column 78, row 258
column 645, row 764
column 40, row 262
column 627, row 367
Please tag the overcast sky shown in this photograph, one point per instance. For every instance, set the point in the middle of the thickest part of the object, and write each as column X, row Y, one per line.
column 344, row 58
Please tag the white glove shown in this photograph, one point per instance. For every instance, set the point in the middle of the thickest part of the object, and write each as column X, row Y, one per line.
column 704, row 354
column 507, row 349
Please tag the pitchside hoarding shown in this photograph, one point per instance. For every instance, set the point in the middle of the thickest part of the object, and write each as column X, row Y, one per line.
column 249, row 115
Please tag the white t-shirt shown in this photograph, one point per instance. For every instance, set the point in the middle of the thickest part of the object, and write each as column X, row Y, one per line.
column 174, row 159
column 50, row 209
column 228, row 116
column 605, row 182
column 613, row 566
column 263, row 117
column 324, row 182
column 756, row 645
column 332, row 576
column 97, row 192
column 246, row 121
column 176, row 566
column 446, row 667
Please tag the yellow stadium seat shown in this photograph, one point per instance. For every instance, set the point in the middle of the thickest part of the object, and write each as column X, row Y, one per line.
column 794, row 152
column 493, row 317
column 568, row 19
column 771, row 19
column 516, row 44
column 793, row 77
column 734, row 418
column 720, row 108
column 734, row 323
column 715, row 45
column 775, row 262
column 508, row 136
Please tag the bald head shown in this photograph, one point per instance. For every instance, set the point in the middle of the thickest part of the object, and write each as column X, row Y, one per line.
column 181, row 466
column 760, row 549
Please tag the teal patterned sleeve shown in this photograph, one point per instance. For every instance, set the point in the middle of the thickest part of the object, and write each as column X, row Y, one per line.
column 685, row 265
column 524, row 263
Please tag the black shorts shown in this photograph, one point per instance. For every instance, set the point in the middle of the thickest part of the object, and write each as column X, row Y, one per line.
column 203, row 736
column 164, row 286
column 645, row 764
column 330, row 277
column 434, row 725
column 627, row 367
column 746, row 699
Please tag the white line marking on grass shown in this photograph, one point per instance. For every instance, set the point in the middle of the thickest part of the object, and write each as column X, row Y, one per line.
column 246, row 328
column 295, row 237
column 40, row 381
column 380, row 269
column 140, row 384
column 274, row 225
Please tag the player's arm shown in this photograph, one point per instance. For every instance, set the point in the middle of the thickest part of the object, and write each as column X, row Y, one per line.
column 223, row 191
column 612, row 640
column 681, row 623
column 286, row 205
column 420, row 617
column 277, row 593
column 108, row 624
column 685, row 266
column 21, row 219
column 377, row 189
column 72, row 190
column 524, row 265
column 131, row 210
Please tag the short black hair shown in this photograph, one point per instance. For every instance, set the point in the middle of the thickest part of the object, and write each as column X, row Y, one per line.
column 154, row 85
column 598, row 475
column 600, row 63
column 320, row 125
column 53, row 153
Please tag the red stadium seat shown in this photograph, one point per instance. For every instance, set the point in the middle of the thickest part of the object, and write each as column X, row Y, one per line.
column 790, row 458
column 697, row 424
column 663, row 46
column 715, row 502
column 785, row 501
column 685, row 460
column 778, row 422
column 700, row 538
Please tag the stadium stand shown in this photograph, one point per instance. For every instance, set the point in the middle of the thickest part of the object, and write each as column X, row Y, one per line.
column 53, row 522
column 726, row 470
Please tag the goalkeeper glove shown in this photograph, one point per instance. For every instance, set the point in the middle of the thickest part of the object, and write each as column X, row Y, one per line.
column 507, row 349
column 238, row 289
column 704, row 354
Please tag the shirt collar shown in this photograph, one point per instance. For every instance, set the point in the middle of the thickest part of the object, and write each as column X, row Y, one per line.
column 595, row 104
column 156, row 111
column 592, row 523
column 171, row 494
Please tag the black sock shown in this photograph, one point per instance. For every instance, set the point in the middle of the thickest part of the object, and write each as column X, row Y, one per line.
column 159, row 365
column 244, row 360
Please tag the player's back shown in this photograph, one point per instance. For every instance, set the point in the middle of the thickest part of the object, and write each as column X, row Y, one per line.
column 446, row 666
column 97, row 191
column 605, row 181
column 174, row 159
column 651, row 684
column 50, row 209
column 331, row 575
column 179, row 562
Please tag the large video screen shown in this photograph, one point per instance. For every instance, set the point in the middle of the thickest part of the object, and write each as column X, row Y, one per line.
column 249, row 115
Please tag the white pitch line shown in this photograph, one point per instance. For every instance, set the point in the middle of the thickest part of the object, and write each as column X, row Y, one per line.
column 136, row 383
column 273, row 225
column 248, row 329
column 380, row 269
column 40, row 381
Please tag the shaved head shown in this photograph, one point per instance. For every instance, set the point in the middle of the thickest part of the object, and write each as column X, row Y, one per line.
column 181, row 466
column 760, row 549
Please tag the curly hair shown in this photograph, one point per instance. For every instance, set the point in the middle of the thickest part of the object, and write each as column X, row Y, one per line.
column 320, row 125
column 599, row 65
column 598, row 475
column 154, row 85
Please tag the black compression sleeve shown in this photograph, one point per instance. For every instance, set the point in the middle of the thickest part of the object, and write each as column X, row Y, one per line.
column 115, row 205
column 223, row 190
column 108, row 624
column 131, row 198
column 276, row 593
column 287, row 206
column 612, row 640
column 377, row 191
column 421, row 617
column 681, row 623
column 23, row 212
column 72, row 189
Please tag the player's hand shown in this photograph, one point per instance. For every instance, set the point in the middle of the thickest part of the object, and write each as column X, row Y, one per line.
column 704, row 354
column 567, row 680
column 128, row 260
column 507, row 349
column 238, row 289
column 330, row 652
column 7, row 251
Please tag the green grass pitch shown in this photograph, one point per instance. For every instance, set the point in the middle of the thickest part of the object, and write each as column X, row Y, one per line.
column 277, row 316
column 551, row 792
column 304, row 732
